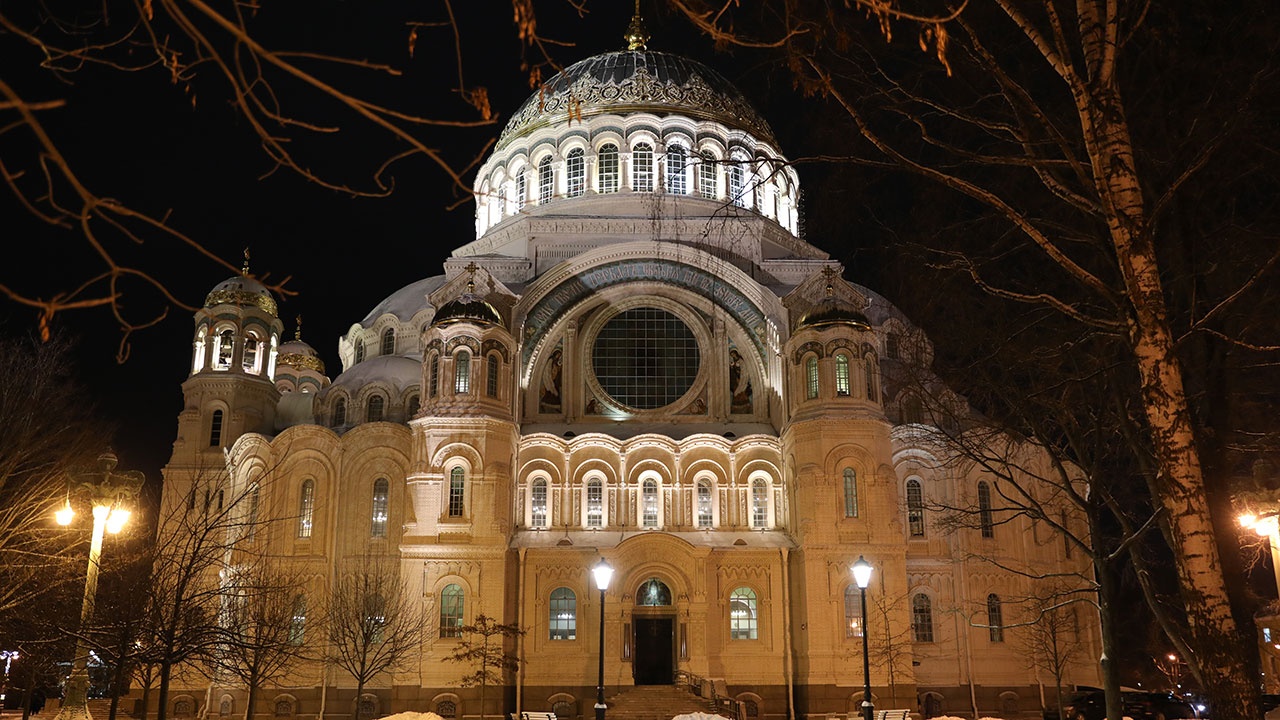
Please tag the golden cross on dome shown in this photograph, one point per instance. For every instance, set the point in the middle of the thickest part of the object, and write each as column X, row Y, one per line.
column 830, row 274
column 471, row 283
column 297, row 330
column 244, row 270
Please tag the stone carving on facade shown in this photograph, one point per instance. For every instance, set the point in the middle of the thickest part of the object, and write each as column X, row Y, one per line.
column 550, row 399
column 740, row 391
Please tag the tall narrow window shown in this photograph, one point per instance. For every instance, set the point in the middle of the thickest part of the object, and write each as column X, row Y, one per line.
column 737, row 183
column 595, row 503
column 921, row 618
column 375, row 617
column 677, row 158
column 759, row 504
column 522, row 190
column 891, row 346
column 608, row 168
column 915, row 508
column 452, row 607
column 986, row 522
column 457, row 484
column 872, row 371
column 649, row 504
column 705, row 517
column 564, row 614
column 255, row 498
column 912, row 410
column 995, row 618
column 642, row 168
column 462, row 372
column 359, row 351
column 378, row 519
column 415, row 404
column 340, row 412
column 298, row 623
column 852, row 612
column 433, row 376
column 546, row 181
column 575, row 173
column 491, row 376
column 850, row 493
column 250, row 359
column 389, row 341
column 226, row 344
column 742, row 614
column 707, row 186
column 215, row 429
column 374, row 411
column 811, row 378
column 842, row 375
column 538, row 504
column 197, row 364
column 306, row 507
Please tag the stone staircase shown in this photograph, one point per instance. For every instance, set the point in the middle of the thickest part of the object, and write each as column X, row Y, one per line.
column 99, row 709
column 654, row 702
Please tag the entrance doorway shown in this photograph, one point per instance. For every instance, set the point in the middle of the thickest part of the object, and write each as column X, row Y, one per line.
column 655, row 650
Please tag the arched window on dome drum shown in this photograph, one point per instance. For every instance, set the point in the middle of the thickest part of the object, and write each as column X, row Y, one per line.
column 707, row 185
column 462, row 373
column 607, row 168
column 575, row 172
column 811, row 378
column 986, row 521
column 850, row 493
column 457, row 486
column 538, row 504
column 452, row 607
column 737, row 182
column 222, row 354
column 415, row 404
column 340, row 412
column 642, row 168
column 359, row 351
column 215, row 429
column 921, row 618
column 502, row 203
column 677, row 159
column 872, row 371
column 564, row 614
column 995, row 619
column 197, row 364
column 373, row 412
column 378, row 518
column 852, row 612
column 915, row 508
column 842, row 375
column 389, row 341
column 742, row 614
column 911, row 412
column 522, row 190
column 759, row 504
column 595, row 503
column 433, row 376
column 649, row 504
column 249, row 361
column 706, row 518
column 306, row 507
column 546, row 181
column 491, row 376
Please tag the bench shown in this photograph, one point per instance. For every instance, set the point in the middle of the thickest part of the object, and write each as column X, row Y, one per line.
column 533, row 716
column 893, row 715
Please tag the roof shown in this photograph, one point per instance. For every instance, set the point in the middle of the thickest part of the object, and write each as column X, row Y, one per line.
column 407, row 301
column 244, row 291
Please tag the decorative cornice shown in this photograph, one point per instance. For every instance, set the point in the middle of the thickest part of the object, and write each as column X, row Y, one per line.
column 243, row 298
column 300, row 361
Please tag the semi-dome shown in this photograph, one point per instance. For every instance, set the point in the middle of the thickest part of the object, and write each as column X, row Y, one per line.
column 467, row 307
column 244, row 291
column 636, row 81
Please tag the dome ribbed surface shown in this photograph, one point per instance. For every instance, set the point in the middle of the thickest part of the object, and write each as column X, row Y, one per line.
column 467, row 307
column 636, row 81
column 244, row 291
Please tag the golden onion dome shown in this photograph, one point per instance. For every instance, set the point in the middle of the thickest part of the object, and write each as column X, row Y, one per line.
column 243, row 291
column 467, row 307
column 831, row 310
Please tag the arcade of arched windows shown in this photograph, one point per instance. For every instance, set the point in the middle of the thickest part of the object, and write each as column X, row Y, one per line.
column 221, row 346
column 840, row 369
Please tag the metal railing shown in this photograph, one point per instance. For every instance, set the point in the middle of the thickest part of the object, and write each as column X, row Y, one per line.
column 703, row 687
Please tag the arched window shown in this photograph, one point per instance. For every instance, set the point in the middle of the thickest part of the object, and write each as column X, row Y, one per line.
column 255, row 499
column 852, row 612
column 608, row 168
column 359, row 351
column 921, row 618
column 595, row 503
column 462, row 373
column 389, row 341
column 891, row 346
column 373, row 413
column 250, row 359
column 737, row 183
column 707, row 186
column 378, row 519
column 649, row 504
column 653, row 593
column 759, row 504
column 298, row 623
column 705, row 516
column 995, row 618
column 491, row 376
column 850, row 493
column 872, row 371
column 546, row 181
column 340, row 412
column 215, row 429
column 522, row 190
column 915, row 508
column 564, row 614
column 677, row 158
column 433, row 376
column 306, row 507
column 457, row 484
column 986, row 522
column 842, row 375
column 538, row 504
column 642, row 168
column 415, row 404
column 197, row 363
column 447, row 709
column 226, row 344
column 912, row 411
column 452, row 605
column 811, row 378
column 742, row 614
column 575, row 172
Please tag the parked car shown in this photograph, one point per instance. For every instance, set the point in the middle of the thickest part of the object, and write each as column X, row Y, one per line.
column 1091, row 705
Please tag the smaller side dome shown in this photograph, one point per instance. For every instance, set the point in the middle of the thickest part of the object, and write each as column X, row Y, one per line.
column 242, row 290
column 831, row 310
column 300, row 355
column 467, row 307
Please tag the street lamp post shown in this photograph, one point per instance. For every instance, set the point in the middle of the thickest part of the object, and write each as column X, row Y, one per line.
column 1266, row 525
column 603, row 573
column 107, row 491
column 862, row 576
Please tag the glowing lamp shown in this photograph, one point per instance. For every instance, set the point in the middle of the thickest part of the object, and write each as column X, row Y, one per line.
column 862, row 573
column 603, row 573
column 65, row 515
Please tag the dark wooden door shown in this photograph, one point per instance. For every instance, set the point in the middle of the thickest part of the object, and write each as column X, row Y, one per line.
column 654, row 651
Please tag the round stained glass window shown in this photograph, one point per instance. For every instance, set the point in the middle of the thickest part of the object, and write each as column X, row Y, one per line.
column 645, row 358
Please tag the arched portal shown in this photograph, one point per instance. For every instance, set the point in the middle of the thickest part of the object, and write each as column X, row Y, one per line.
column 653, row 622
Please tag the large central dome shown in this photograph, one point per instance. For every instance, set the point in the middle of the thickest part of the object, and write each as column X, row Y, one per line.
column 631, row 81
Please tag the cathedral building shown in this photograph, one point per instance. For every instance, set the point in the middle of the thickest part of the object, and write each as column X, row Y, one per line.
column 638, row 358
